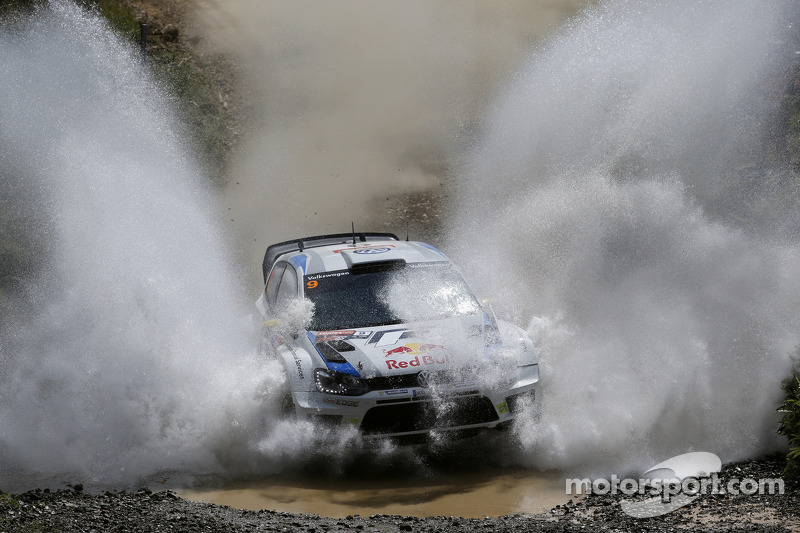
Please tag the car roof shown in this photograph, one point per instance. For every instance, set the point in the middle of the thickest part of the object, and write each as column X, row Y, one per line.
column 329, row 253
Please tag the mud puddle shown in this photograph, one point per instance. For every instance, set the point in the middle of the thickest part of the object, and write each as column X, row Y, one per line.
column 464, row 495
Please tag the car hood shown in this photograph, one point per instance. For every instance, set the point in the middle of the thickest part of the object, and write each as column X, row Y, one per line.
column 407, row 348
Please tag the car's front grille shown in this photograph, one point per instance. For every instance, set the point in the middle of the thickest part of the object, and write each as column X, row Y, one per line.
column 393, row 382
column 427, row 415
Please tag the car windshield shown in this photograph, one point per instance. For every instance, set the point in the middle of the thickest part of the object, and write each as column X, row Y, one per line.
column 390, row 294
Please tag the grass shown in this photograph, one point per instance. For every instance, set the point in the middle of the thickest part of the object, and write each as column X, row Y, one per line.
column 8, row 502
column 790, row 419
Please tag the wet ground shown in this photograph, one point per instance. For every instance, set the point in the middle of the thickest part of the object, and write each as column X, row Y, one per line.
column 465, row 495
column 143, row 510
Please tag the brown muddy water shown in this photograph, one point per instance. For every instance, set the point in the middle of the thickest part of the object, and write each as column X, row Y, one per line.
column 464, row 495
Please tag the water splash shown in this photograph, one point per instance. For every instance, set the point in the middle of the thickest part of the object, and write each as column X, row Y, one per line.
column 663, row 296
column 128, row 360
column 129, row 357
column 612, row 209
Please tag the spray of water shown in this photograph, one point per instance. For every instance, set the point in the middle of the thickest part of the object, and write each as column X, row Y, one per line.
column 129, row 357
column 609, row 200
column 663, row 294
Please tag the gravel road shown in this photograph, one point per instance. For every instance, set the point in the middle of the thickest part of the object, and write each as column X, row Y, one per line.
column 143, row 510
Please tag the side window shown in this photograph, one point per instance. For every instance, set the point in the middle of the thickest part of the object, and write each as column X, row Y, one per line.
column 273, row 282
column 287, row 290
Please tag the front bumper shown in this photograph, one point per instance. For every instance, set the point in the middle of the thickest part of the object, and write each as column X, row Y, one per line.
column 399, row 412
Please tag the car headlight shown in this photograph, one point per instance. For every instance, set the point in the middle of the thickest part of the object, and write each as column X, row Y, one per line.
column 332, row 382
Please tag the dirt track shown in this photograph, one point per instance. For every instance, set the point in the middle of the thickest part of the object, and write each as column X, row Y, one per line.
column 143, row 510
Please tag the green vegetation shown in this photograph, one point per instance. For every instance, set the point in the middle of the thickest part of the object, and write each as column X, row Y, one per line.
column 790, row 419
column 200, row 107
column 121, row 17
column 7, row 501
column 184, row 76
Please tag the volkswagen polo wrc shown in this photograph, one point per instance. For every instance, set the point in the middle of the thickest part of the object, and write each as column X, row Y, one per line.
column 397, row 344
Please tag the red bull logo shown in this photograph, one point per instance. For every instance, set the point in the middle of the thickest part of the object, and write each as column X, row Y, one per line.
column 415, row 348
column 419, row 360
column 397, row 351
column 423, row 354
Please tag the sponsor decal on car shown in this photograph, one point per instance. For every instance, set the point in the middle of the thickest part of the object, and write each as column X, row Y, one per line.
column 323, row 275
column 299, row 366
column 367, row 249
column 420, row 360
column 297, row 361
column 333, row 335
column 341, row 335
column 502, row 408
column 392, row 336
column 339, row 401
column 414, row 348
column 393, row 391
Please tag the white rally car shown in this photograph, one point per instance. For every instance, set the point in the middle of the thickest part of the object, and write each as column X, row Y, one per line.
column 397, row 344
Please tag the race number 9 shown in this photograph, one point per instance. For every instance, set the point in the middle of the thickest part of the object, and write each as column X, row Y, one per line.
column 312, row 284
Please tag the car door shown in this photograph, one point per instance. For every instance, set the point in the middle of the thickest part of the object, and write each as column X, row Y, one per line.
column 289, row 345
column 273, row 282
column 288, row 288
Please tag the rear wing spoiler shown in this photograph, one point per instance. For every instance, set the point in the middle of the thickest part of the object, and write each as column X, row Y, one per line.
column 298, row 245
